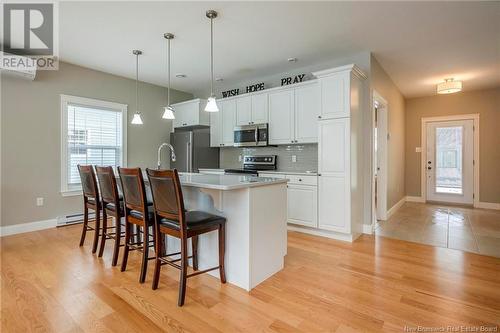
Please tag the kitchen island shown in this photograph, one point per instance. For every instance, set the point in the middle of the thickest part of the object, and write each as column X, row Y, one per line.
column 256, row 213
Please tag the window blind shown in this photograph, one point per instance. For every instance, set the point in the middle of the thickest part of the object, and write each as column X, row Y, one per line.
column 94, row 137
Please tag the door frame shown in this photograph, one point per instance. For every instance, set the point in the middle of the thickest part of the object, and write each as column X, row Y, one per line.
column 423, row 154
column 383, row 117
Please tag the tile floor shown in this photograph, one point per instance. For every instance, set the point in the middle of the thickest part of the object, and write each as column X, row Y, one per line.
column 466, row 229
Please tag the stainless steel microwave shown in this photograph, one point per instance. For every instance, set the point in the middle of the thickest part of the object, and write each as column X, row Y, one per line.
column 251, row 135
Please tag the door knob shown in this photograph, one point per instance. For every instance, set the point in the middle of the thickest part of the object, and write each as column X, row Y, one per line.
column 429, row 168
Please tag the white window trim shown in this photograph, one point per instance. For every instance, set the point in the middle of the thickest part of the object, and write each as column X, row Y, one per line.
column 68, row 99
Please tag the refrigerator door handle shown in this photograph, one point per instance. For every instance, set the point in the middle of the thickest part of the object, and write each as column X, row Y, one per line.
column 188, row 153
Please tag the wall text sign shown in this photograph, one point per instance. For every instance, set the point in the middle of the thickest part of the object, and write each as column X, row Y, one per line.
column 292, row 79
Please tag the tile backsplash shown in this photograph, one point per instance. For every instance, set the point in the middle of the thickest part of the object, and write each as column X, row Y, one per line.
column 306, row 156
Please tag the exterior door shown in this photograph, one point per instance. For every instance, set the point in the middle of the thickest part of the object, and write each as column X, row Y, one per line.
column 450, row 161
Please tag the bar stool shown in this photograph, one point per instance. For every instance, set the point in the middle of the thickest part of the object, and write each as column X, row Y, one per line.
column 112, row 204
column 137, row 212
column 90, row 200
column 171, row 219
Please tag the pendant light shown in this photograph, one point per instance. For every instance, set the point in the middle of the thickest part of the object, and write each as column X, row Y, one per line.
column 211, row 102
column 137, row 119
column 449, row 86
column 168, row 112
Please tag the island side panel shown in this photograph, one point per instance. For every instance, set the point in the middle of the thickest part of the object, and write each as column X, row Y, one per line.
column 234, row 205
column 268, row 238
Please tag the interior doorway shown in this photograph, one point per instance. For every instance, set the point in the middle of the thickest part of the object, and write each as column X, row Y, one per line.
column 379, row 193
column 450, row 147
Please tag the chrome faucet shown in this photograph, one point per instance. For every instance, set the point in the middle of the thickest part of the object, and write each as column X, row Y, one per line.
column 159, row 153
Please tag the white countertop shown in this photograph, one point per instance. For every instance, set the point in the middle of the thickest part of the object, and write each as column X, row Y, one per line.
column 225, row 182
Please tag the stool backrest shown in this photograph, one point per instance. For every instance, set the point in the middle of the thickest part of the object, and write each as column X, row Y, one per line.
column 134, row 192
column 89, row 183
column 107, row 185
column 167, row 195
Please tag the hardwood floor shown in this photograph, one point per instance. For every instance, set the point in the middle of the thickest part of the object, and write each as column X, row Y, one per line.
column 49, row 284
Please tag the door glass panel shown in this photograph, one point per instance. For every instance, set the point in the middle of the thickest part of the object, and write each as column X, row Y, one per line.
column 449, row 143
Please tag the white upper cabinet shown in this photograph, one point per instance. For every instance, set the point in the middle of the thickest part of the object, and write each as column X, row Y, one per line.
column 228, row 115
column 333, row 147
column 260, row 108
column 281, row 117
column 216, row 128
column 335, row 95
column 243, row 110
column 307, row 110
column 191, row 113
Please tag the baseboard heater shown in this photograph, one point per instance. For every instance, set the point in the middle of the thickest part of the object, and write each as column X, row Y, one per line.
column 72, row 219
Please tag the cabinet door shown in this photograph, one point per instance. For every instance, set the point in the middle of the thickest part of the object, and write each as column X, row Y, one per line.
column 307, row 110
column 303, row 205
column 216, row 128
column 334, row 147
column 335, row 95
column 186, row 114
column 334, row 203
column 228, row 121
column 260, row 110
column 192, row 114
column 243, row 110
column 281, row 117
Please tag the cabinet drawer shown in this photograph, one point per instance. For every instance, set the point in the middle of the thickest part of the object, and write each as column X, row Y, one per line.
column 272, row 175
column 302, row 180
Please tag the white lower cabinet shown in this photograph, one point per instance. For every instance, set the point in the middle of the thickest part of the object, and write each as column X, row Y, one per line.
column 334, row 205
column 303, row 205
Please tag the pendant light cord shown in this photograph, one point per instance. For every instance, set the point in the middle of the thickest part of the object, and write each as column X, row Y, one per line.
column 168, row 73
column 137, row 83
column 212, row 56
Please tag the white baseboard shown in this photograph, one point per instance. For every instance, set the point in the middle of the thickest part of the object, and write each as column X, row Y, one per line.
column 488, row 205
column 394, row 208
column 27, row 227
column 368, row 229
column 324, row 233
column 414, row 199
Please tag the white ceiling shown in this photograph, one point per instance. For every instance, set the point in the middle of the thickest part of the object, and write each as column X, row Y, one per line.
column 417, row 43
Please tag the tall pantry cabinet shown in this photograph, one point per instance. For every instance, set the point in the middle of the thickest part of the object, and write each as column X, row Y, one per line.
column 340, row 151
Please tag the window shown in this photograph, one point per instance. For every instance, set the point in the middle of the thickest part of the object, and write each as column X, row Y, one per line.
column 93, row 132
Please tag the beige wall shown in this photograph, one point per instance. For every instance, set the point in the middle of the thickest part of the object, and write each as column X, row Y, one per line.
column 484, row 102
column 383, row 84
column 30, row 135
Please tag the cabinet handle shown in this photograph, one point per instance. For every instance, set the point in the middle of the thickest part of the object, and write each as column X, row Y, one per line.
column 319, row 117
column 319, row 174
column 300, row 180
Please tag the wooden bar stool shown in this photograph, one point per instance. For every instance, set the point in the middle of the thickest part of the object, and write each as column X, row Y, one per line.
column 90, row 200
column 112, row 204
column 138, row 213
column 171, row 219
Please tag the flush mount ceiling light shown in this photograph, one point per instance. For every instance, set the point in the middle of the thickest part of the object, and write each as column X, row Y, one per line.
column 137, row 119
column 211, row 102
column 449, row 86
column 168, row 112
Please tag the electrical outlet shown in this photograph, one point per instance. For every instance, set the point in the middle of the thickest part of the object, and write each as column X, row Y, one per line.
column 294, row 158
column 240, row 158
column 418, row 149
column 39, row 201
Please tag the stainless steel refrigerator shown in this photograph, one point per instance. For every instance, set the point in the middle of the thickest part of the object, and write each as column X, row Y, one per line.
column 193, row 151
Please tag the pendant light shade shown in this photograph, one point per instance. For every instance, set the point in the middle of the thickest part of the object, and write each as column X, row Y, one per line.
column 449, row 86
column 211, row 102
column 168, row 111
column 137, row 119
